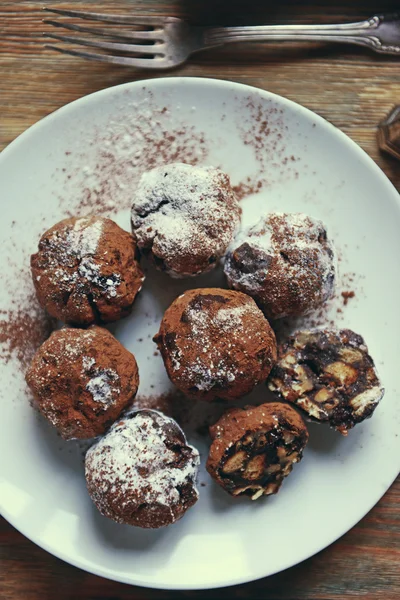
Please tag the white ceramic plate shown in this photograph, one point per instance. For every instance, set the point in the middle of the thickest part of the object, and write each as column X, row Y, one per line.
column 86, row 157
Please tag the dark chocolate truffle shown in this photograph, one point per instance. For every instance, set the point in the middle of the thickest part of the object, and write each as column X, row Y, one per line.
column 216, row 344
column 143, row 472
column 253, row 449
column 82, row 379
column 184, row 217
column 330, row 375
column 86, row 271
column 285, row 262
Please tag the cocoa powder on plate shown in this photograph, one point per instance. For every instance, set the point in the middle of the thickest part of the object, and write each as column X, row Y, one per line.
column 22, row 330
column 347, row 295
column 143, row 137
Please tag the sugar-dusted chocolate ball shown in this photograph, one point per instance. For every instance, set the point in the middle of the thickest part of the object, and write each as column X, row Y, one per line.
column 86, row 271
column 285, row 262
column 143, row 472
column 216, row 344
column 81, row 380
column 184, row 217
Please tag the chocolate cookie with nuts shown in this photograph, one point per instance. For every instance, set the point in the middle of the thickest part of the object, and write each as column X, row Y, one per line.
column 255, row 448
column 330, row 375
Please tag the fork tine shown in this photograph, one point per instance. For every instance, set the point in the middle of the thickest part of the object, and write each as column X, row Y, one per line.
column 140, row 48
column 126, row 19
column 138, row 35
column 141, row 63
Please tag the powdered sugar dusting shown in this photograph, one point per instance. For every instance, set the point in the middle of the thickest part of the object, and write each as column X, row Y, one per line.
column 90, row 271
column 73, row 350
column 78, row 241
column 261, row 238
column 133, row 459
column 71, row 254
column 103, row 384
column 225, row 320
column 84, row 237
column 88, row 362
column 101, row 387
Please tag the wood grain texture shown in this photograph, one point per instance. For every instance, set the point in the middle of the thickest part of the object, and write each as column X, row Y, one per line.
column 351, row 88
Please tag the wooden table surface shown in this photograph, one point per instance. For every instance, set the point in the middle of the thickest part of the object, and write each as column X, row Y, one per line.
column 351, row 88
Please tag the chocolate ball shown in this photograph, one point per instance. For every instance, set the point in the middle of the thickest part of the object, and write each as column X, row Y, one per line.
column 86, row 271
column 255, row 448
column 143, row 472
column 216, row 344
column 82, row 380
column 184, row 217
column 285, row 262
column 329, row 374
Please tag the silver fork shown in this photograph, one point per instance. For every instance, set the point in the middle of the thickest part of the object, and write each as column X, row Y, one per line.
column 165, row 42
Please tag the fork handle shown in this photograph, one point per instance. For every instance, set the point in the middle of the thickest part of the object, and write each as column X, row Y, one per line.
column 379, row 33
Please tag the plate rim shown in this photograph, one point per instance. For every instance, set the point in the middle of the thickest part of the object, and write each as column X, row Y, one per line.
column 363, row 156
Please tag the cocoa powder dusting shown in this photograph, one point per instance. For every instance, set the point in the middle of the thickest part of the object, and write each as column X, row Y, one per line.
column 139, row 139
column 264, row 129
column 247, row 188
column 82, row 380
column 162, row 402
column 143, row 137
column 331, row 314
column 347, row 296
column 22, row 331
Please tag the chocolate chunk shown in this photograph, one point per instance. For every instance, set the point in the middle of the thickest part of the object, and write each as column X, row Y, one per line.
column 388, row 133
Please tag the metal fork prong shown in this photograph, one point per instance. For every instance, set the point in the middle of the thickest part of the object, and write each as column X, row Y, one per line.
column 104, row 18
column 134, row 35
column 139, row 48
column 142, row 63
